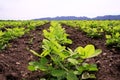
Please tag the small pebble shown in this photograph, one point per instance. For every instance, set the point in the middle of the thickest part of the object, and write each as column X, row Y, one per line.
column 104, row 54
column 17, row 63
column 2, row 55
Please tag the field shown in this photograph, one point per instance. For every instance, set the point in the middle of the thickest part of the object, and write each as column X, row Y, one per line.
column 22, row 42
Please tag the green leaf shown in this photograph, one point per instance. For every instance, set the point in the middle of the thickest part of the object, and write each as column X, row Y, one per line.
column 1, row 33
column 80, row 69
column 80, row 50
column 92, row 76
column 46, row 34
column 73, row 61
column 46, row 44
column 85, row 65
column 108, row 36
column 56, row 59
column 89, row 50
column 76, row 72
column 43, row 64
column 58, row 73
column 43, row 61
column 71, row 76
column 31, row 68
column 90, row 67
column 68, row 41
column 96, row 53
column 117, row 35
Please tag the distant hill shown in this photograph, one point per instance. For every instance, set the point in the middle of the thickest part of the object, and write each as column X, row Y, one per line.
column 64, row 18
column 106, row 17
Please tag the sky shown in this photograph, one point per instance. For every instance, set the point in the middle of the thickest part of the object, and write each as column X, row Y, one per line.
column 31, row 9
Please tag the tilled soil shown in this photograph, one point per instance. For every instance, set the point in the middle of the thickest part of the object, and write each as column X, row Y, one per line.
column 15, row 58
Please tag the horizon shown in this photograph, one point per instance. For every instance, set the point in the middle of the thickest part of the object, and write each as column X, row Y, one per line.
column 32, row 9
column 80, row 16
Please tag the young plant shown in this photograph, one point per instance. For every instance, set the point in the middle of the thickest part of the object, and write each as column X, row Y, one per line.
column 93, row 32
column 10, row 34
column 67, row 64
column 113, row 39
column 57, row 33
column 59, row 62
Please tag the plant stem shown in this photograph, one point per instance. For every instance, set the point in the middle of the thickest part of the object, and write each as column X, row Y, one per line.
column 62, row 66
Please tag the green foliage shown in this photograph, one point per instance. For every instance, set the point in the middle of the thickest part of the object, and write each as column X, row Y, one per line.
column 71, row 76
column 31, row 25
column 93, row 32
column 91, row 28
column 57, row 33
column 10, row 34
column 62, row 62
column 13, row 33
column 113, row 39
column 53, row 47
column 87, row 52
column 10, row 30
column 41, row 65
column 97, row 29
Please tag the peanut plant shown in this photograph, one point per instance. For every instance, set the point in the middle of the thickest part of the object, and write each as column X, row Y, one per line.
column 60, row 62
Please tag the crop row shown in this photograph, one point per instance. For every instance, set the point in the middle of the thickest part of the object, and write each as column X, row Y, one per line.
column 10, row 30
column 58, row 61
column 93, row 29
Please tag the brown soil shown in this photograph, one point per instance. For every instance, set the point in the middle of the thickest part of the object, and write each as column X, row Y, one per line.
column 15, row 58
